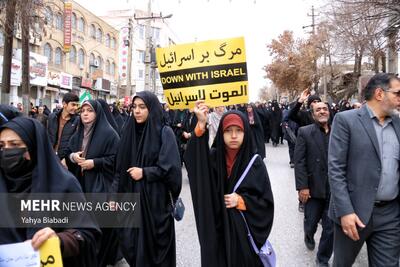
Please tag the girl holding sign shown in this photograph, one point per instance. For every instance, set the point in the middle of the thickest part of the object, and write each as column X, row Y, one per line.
column 218, row 205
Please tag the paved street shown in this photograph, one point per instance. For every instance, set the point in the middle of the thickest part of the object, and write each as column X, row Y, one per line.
column 287, row 233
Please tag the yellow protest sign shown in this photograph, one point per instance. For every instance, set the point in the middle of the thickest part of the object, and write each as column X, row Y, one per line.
column 50, row 253
column 213, row 71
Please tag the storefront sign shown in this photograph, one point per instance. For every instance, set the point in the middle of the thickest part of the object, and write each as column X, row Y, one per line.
column 67, row 26
column 66, row 81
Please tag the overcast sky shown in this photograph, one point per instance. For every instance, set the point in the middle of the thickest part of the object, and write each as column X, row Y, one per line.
column 259, row 21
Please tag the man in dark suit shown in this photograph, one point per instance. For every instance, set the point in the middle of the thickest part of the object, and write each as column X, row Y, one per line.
column 363, row 166
column 311, row 173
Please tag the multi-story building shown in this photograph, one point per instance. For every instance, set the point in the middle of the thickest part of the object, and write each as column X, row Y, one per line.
column 159, row 35
column 88, row 62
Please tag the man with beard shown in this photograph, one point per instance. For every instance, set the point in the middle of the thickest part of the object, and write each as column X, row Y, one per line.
column 311, row 173
column 363, row 166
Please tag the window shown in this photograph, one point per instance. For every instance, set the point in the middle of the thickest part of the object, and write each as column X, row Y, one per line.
column 113, row 43
column 156, row 33
column 72, row 55
column 141, row 57
column 48, row 52
column 81, row 57
column 73, row 21
column 99, row 35
column 140, row 74
column 93, row 31
column 81, row 25
column 91, row 59
column 58, row 56
column 100, row 63
column 59, row 22
column 48, row 14
column 107, row 40
column 108, row 66
column 141, row 31
column 112, row 69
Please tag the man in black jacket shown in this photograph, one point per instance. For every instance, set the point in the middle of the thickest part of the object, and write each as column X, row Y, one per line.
column 311, row 172
column 304, row 117
column 62, row 125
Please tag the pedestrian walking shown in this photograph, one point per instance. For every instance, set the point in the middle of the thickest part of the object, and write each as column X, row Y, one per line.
column 28, row 164
column 311, row 173
column 91, row 157
column 276, row 121
column 213, row 174
column 62, row 125
column 363, row 166
column 257, row 130
column 148, row 163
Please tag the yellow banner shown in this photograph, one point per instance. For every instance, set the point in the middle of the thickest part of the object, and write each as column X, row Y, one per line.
column 208, row 53
column 214, row 95
column 50, row 253
column 218, row 65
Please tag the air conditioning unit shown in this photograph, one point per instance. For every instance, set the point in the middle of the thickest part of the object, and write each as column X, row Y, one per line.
column 81, row 66
column 96, row 63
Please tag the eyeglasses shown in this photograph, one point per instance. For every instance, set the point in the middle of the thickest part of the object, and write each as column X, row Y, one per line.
column 397, row 92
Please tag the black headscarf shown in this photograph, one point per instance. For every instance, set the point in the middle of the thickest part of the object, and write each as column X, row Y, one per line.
column 151, row 146
column 222, row 233
column 257, row 131
column 109, row 115
column 8, row 113
column 101, row 147
column 118, row 117
column 48, row 176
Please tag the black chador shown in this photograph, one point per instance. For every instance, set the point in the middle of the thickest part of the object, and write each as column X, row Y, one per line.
column 222, row 232
column 276, row 121
column 256, row 129
column 99, row 142
column 43, row 173
column 110, row 117
column 151, row 146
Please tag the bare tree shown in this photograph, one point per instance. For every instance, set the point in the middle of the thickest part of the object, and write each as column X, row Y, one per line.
column 357, row 32
column 8, row 44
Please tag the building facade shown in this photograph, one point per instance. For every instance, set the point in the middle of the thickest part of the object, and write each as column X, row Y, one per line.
column 85, row 59
column 145, row 33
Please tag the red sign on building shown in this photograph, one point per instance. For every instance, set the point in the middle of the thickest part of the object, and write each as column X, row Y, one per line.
column 86, row 83
column 67, row 26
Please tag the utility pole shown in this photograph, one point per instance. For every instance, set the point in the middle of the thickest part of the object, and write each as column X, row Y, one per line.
column 149, row 45
column 129, row 90
column 325, row 79
column 8, row 45
column 148, row 51
column 312, row 25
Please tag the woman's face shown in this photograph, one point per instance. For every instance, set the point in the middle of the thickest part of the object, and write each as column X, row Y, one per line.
column 233, row 137
column 140, row 111
column 10, row 139
column 249, row 108
column 88, row 115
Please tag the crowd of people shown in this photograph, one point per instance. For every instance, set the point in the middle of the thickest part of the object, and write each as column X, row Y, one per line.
column 345, row 160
